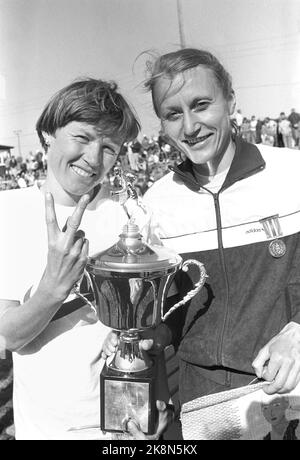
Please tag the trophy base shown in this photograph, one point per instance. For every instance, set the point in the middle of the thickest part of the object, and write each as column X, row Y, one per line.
column 127, row 395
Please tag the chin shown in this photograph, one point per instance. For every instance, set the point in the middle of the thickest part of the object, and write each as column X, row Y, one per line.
column 200, row 159
column 79, row 192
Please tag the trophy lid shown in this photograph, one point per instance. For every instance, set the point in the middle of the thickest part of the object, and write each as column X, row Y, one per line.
column 132, row 254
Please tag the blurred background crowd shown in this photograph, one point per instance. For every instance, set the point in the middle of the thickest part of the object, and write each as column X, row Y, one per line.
column 283, row 131
column 149, row 157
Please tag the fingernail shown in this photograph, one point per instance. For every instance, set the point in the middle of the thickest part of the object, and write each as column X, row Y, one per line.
column 85, row 199
column 125, row 423
column 132, row 422
column 264, row 372
column 161, row 405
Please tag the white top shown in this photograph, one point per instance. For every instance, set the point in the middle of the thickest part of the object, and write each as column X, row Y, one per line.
column 56, row 376
column 216, row 182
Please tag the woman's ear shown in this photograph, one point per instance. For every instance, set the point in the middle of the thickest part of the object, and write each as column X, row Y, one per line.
column 232, row 103
column 46, row 137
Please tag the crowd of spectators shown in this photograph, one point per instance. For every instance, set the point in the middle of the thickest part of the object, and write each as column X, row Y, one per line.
column 283, row 131
column 17, row 172
column 150, row 157
column 147, row 159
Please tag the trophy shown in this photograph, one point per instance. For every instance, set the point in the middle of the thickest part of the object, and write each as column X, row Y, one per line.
column 130, row 283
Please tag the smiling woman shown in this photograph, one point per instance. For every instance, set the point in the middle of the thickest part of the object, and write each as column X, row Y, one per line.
column 82, row 129
column 194, row 100
column 245, row 322
column 56, row 338
column 79, row 157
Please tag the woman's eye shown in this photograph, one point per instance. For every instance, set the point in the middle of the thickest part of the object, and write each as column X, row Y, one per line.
column 201, row 105
column 82, row 138
column 109, row 151
column 171, row 116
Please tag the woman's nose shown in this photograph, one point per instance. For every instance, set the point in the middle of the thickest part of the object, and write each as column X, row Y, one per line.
column 191, row 123
column 93, row 153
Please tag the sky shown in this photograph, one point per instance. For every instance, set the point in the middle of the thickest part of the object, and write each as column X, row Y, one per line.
column 46, row 44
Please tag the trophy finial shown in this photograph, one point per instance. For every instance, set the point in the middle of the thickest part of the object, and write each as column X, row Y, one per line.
column 131, row 229
column 125, row 191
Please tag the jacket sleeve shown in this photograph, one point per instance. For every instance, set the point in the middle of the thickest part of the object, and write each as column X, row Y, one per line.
column 293, row 288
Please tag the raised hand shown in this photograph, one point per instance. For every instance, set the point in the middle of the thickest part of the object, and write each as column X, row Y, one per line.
column 67, row 250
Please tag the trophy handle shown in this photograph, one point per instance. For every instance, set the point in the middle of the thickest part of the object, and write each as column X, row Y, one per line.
column 193, row 292
column 76, row 290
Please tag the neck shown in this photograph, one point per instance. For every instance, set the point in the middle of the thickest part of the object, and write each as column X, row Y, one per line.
column 64, row 198
column 216, row 165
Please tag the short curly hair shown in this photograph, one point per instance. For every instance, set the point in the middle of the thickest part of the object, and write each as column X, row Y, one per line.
column 93, row 101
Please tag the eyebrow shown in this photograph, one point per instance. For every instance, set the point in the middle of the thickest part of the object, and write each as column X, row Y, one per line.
column 201, row 98
column 81, row 130
column 172, row 108
column 95, row 132
column 191, row 104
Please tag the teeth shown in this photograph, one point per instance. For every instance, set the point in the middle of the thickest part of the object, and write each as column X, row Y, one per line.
column 196, row 140
column 81, row 172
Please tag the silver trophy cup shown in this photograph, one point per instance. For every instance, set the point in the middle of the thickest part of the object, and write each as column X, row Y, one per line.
column 130, row 283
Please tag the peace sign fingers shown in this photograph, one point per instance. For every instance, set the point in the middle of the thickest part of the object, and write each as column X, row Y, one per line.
column 67, row 249
column 51, row 221
column 74, row 221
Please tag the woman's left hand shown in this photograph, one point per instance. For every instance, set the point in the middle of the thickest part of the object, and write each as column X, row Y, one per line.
column 278, row 361
column 110, row 344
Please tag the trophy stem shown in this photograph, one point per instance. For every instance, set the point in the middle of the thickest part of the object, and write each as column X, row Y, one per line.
column 129, row 357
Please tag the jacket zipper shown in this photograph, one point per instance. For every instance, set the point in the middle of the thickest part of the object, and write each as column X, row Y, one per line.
column 223, row 265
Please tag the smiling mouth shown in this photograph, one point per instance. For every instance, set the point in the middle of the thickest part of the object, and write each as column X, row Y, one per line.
column 82, row 172
column 196, row 140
